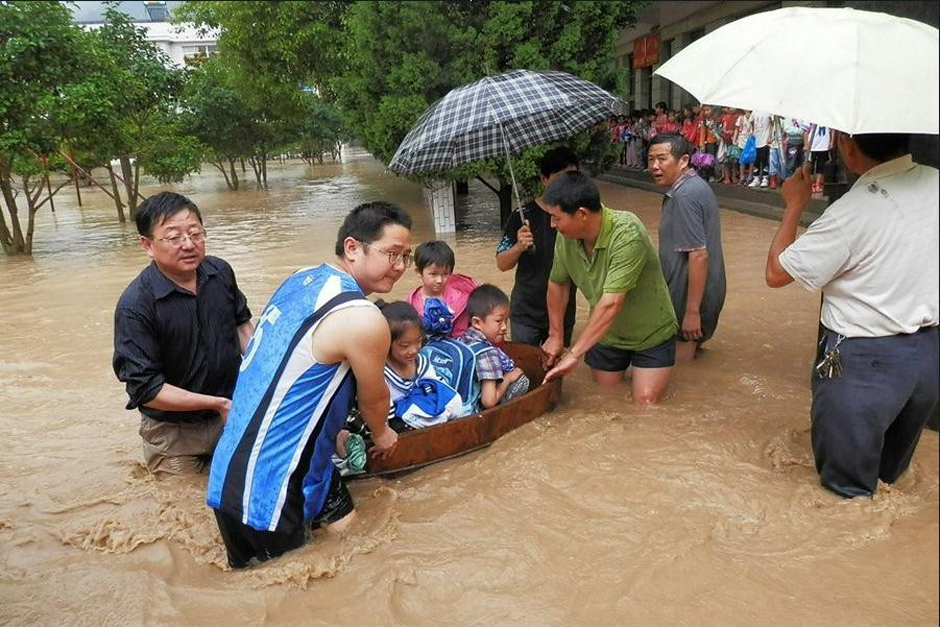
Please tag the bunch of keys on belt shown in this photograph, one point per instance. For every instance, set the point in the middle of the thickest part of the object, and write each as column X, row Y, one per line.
column 831, row 364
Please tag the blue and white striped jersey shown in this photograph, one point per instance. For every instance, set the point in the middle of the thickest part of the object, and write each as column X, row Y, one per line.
column 272, row 466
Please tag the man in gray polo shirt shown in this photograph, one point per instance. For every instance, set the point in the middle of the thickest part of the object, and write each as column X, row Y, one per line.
column 689, row 244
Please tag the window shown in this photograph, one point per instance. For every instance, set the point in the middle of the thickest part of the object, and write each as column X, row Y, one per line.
column 197, row 52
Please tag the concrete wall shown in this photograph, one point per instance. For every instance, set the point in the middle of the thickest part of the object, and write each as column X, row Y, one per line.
column 441, row 198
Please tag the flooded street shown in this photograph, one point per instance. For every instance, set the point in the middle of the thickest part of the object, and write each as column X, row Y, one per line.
column 703, row 510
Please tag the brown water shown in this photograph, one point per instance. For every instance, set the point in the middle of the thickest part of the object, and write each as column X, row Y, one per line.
column 704, row 510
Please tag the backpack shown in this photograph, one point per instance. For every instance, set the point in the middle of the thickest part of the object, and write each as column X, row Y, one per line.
column 456, row 364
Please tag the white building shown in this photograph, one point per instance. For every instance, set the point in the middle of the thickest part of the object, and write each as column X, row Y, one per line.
column 179, row 41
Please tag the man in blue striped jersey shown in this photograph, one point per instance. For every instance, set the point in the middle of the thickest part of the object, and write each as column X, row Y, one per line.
column 319, row 345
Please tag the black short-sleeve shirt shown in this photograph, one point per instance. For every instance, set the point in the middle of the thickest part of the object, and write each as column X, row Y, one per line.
column 166, row 334
column 527, row 303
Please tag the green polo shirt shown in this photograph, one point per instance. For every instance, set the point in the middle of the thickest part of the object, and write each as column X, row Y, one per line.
column 624, row 262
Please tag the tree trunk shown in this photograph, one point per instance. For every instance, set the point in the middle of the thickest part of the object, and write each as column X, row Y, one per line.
column 231, row 167
column 136, row 187
column 242, row 159
column 264, row 170
column 117, row 194
column 256, row 167
column 32, row 208
column 128, row 176
column 220, row 165
column 49, row 189
column 78, row 192
column 505, row 201
column 12, row 242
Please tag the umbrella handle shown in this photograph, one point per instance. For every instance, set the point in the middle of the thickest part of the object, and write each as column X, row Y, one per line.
column 512, row 176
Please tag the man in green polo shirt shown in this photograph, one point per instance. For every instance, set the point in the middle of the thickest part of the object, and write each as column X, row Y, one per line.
column 608, row 255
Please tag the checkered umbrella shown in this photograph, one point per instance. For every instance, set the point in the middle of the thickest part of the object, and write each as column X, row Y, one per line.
column 502, row 115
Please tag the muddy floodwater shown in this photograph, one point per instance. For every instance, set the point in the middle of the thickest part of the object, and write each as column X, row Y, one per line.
column 703, row 510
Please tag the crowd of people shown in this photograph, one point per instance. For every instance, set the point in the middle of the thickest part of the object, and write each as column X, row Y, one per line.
column 731, row 146
column 278, row 410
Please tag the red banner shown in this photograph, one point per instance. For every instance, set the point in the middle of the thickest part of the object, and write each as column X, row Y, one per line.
column 646, row 50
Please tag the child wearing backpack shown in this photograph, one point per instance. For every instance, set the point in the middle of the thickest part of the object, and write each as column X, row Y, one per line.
column 500, row 379
column 434, row 263
column 418, row 396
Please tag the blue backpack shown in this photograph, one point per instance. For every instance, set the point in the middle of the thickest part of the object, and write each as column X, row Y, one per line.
column 456, row 364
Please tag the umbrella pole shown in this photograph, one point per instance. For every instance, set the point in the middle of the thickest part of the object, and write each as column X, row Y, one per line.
column 512, row 176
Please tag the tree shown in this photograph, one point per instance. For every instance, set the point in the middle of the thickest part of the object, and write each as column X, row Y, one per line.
column 273, row 47
column 40, row 55
column 321, row 130
column 385, row 62
column 214, row 113
column 144, row 94
column 403, row 56
column 268, row 52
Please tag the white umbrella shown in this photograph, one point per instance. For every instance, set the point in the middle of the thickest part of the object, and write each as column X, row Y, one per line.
column 855, row 71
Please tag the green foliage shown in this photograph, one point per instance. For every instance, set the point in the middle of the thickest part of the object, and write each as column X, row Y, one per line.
column 273, row 47
column 39, row 59
column 214, row 113
column 403, row 56
column 171, row 153
column 137, row 78
column 320, row 130
column 384, row 63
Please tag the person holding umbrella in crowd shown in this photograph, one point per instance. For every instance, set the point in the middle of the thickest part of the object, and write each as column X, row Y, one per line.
column 529, row 247
column 873, row 255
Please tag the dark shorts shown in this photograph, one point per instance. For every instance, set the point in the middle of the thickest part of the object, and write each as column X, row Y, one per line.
column 604, row 358
column 818, row 159
column 244, row 544
column 535, row 336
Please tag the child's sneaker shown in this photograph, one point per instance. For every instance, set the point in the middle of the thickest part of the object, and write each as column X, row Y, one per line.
column 764, row 182
column 755, row 182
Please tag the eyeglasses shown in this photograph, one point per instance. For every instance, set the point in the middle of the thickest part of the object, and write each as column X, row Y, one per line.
column 197, row 237
column 394, row 258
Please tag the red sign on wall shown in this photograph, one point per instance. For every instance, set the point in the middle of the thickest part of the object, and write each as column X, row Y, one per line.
column 646, row 50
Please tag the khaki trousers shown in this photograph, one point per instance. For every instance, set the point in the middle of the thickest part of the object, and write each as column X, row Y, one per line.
column 179, row 448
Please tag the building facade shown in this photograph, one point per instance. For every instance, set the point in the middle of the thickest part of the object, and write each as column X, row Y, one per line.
column 664, row 28
column 183, row 43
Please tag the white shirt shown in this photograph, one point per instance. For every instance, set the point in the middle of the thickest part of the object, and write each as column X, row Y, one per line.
column 820, row 139
column 743, row 124
column 873, row 253
column 761, row 122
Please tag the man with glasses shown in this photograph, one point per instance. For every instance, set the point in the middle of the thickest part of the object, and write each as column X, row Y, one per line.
column 180, row 329
column 319, row 347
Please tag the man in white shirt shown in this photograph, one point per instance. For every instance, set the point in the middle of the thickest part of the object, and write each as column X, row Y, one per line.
column 873, row 253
